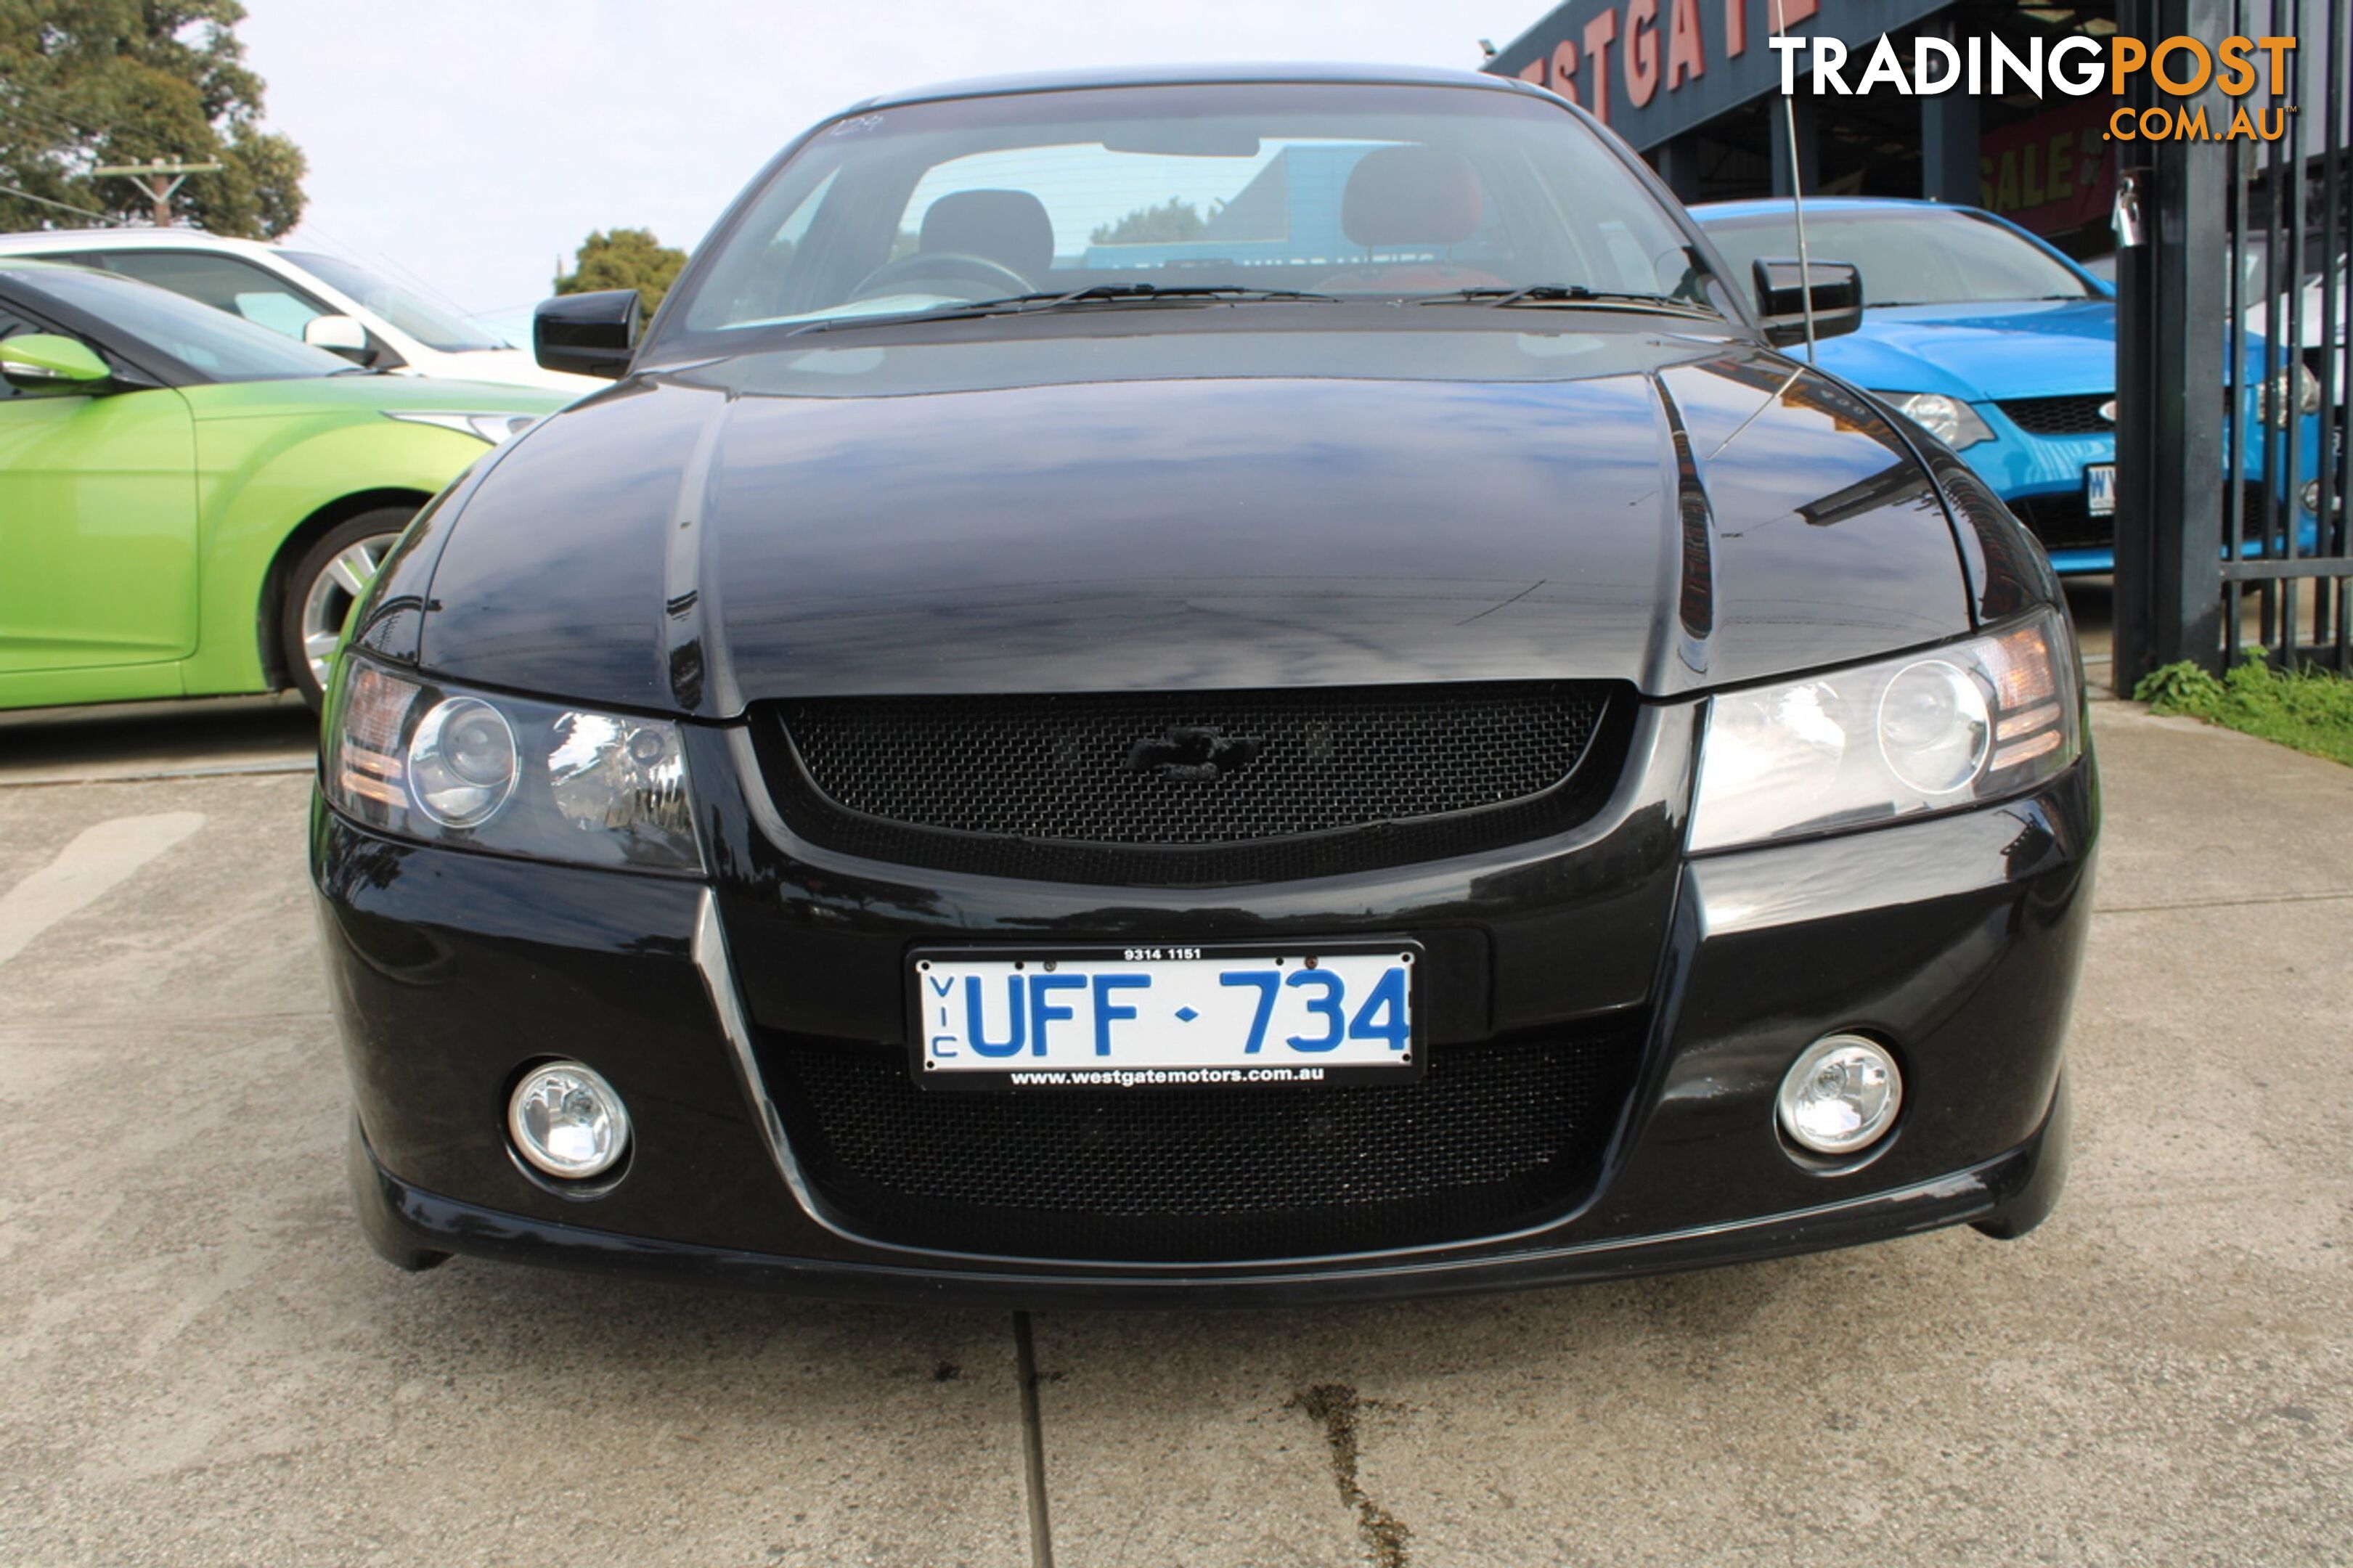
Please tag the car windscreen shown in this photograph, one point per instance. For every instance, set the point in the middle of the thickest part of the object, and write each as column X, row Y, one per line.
column 435, row 326
column 1352, row 190
column 1917, row 257
column 213, row 344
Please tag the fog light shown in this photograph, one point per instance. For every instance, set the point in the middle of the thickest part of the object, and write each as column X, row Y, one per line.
column 567, row 1121
column 1841, row 1095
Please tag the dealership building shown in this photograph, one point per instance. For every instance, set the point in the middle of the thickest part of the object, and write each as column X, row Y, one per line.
column 1694, row 86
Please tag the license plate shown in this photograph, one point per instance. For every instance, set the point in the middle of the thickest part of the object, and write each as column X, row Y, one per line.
column 1147, row 1017
column 2100, row 490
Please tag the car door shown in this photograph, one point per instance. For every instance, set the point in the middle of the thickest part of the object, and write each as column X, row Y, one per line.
column 97, row 524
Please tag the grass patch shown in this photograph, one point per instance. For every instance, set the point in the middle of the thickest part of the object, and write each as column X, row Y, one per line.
column 2310, row 710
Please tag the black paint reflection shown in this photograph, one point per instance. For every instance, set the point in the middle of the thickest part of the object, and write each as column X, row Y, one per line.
column 686, row 548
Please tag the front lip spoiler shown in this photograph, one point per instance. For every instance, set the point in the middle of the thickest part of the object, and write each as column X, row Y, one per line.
column 2005, row 1197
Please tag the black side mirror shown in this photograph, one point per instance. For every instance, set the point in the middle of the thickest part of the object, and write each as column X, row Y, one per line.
column 1836, row 287
column 588, row 335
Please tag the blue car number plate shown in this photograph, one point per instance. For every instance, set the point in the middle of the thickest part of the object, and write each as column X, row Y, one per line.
column 2100, row 490
column 1145, row 1018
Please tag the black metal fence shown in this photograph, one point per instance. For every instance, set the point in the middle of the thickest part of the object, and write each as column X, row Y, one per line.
column 2232, row 279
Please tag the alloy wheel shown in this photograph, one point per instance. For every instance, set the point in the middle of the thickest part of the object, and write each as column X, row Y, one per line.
column 328, row 602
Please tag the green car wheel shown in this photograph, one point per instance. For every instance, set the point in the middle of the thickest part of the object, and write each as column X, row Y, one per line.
column 324, row 586
column 191, row 504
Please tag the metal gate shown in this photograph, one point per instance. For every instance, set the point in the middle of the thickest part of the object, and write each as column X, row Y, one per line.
column 2231, row 285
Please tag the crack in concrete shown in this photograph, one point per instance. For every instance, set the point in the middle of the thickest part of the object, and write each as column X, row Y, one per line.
column 1033, row 1444
column 1333, row 1406
column 2251, row 901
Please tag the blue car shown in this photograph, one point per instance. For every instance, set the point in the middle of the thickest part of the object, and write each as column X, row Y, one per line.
column 1992, row 341
column 1985, row 336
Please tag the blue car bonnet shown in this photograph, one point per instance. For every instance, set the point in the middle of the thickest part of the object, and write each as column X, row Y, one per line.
column 1985, row 352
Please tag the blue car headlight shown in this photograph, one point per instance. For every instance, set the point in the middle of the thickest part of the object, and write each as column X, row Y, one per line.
column 1948, row 419
column 1956, row 725
column 505, row 774
column 2292, row 393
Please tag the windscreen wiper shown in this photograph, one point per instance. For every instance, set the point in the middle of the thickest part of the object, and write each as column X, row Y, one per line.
column 1234, row 291
column 1094, row 294
column 1562, row 294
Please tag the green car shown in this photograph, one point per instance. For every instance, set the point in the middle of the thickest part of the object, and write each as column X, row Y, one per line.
column 191, row 504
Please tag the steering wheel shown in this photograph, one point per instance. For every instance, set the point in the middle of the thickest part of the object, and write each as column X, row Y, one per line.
column 959, row 265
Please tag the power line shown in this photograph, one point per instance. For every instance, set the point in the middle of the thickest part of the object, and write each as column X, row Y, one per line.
column 364, row 255
column 20, row 101
column 66, row 206
column 56, row 124
column 48, row 136
column 33, row 115
column 24, row 101
column 23, row 121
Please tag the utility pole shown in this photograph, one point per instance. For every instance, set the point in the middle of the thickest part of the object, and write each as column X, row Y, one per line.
column 154, row 176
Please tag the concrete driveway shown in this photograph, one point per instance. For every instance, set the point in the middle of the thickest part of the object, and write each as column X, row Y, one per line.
column 201, row 1363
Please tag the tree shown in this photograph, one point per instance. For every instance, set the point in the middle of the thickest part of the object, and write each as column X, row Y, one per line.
column 624, row 259
column 87, row 83
column 1173, row 222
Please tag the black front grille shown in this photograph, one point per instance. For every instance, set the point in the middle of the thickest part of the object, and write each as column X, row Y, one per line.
column 1496, row 1136
column 2075, row 415
column 1189, row 787
column 2062, row 522
column 2263, row 518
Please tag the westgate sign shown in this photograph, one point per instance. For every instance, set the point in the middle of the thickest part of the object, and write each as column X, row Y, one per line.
column 1653, row 69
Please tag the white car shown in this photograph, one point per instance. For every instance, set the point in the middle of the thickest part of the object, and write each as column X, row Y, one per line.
column 2312, row 328
column 322, row 300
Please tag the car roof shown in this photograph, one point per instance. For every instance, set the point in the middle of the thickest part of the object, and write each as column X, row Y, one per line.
column 142, row 238
column 36, row 268
column 1776, row 206
column 1197, row 75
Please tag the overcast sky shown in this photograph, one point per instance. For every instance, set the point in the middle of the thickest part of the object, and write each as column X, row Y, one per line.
column 473, row 143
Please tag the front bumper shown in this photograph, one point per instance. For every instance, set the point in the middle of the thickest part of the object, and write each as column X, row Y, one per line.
column 2041, row 479
column 1956, row 938
column 2005, row 1196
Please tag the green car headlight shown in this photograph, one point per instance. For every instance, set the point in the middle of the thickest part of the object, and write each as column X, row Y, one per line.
column 505, row 774
column 491, row 427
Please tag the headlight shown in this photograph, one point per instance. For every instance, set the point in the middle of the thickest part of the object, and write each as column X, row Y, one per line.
column 1948, row 419
column 1956, row 725
column 507, row 776
column 461, row 761
column 491, row 427
column 2293, row 391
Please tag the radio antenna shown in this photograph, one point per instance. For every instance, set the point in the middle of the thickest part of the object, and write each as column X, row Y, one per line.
column 1798, row 200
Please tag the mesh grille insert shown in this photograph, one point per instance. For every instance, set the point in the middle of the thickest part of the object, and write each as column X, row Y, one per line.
column 1012, row 785
column 2062, row 522
column 1496, row 1136
column 2073, row 415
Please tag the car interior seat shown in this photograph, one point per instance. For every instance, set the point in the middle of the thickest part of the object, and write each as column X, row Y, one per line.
column 1008, row 227
column 1411, row 198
